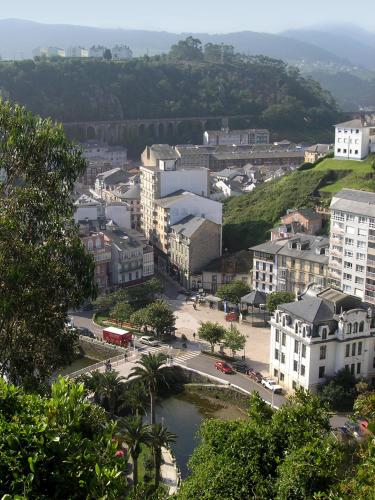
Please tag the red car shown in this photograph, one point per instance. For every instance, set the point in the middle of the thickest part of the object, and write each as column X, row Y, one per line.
column 256, row 376
column 223, row 367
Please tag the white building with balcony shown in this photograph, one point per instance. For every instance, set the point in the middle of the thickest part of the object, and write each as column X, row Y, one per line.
column 355, row 139
column 316, row 337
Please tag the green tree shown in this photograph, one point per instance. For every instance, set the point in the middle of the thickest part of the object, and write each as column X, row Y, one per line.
column 189, row 49
column 58, row 446
column 135, row 398
column 364, row 406
column 259, row 410
column 218, row 53
column 140, row 318
column 274, row 299
column 234, row 340
column 110, row 390
column 339, row 391
column 160, row 317
column 44, row 269
column 107, row 55
column 233, row 291
column 150, row 370
column 134, row 433
column 159, row 437
column 213, row 333
column 122, row 312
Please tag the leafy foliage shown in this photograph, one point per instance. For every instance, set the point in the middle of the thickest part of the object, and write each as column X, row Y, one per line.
column 274, row 299
column 57, row 447
column 339, row 391
column 121, row 311
column 213, row 333
column 233, row 291
column 285, row 454
column 234, row 340
column 44, row 269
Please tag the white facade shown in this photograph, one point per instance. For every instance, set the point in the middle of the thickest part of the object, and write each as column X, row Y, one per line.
column 121, row 52
column 193, row 180
column 300, row 359
column 115, row 156
column 191, row 204
column 119, row 213
column 148, row 262
column 97, row 51
column 354, row 140
column 77, row 52
column 48, row 52
column 352, row 243
column 228, row 137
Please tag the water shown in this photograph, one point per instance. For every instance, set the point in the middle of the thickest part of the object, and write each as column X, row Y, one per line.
column 183, row 415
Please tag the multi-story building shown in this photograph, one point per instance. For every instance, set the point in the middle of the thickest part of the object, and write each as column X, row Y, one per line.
column 116, row 156
column 317, row 151
column 304, row 220
column 156, row 183
column 193, row 242
column 291, row 264
column 352, row 243
column 109, row 180
column 315, row 337
column 97, row 51
column 77, row 52
column 355, row 139
column 120, row 52
column 236, row 137
column 131, row 259
column 99, row 247
column 172, row 209
column 48, row 52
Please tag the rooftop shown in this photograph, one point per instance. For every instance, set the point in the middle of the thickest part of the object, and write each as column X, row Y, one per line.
column 310, row 309
column 353, row 200
column 121, row 239
column 164, row 152
column 167, row 201
column 189, row 225
column 307, row 213
column 320, row 148
column 356, row 123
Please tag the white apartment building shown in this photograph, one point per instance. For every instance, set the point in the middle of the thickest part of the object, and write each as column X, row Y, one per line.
column 116, row 156
column 229, row 137
column 97, row 51
column 352, row 243
column 355, row 139
column 48, row 52
column 120, row 52
column 158, row 182
column 315, row 337
column 77, row 52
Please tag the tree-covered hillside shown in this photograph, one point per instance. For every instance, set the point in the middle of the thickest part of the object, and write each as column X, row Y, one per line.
column 249, row 218
column 165, row 86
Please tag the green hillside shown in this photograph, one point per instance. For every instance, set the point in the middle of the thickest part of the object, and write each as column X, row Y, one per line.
column 249, row 218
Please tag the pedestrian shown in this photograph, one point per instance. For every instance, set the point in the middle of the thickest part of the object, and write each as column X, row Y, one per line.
column 194, row 335
column 194, row 306
column 125, row 356
column 109, row 366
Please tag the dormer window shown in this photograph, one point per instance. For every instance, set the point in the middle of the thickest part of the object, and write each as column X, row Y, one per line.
column 362, row 326
column 324, row 332
column 349, row 329
column 355, row 327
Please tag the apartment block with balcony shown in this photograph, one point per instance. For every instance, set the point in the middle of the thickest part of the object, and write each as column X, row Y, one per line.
column 352, row 243
column 314, row 338
column 99, row 247
column 291, row 264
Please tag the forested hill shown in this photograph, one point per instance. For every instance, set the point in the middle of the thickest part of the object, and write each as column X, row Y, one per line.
column 79, row 90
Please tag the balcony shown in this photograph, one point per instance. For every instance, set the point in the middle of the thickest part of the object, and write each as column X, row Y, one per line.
column 335, row 264
column 101, row 257
column 337, row 238
column 335, row 272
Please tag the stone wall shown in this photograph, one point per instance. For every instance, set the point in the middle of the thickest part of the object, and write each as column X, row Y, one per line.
column 98, row 350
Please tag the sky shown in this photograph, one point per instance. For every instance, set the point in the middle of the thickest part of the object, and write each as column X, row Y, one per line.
column 212, row 16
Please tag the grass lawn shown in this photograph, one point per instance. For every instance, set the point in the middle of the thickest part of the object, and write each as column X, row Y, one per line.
column 352, row 174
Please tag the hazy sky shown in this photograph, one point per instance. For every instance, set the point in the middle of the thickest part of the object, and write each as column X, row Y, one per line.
column 193, row 15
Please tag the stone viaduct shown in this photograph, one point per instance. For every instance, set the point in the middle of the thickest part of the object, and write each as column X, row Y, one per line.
column 121, row 131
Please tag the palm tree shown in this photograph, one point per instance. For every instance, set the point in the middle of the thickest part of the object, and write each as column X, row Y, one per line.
column 159, row 437
column 150, row 371
column 134, row 433
column 110, row 389
column 135, row 398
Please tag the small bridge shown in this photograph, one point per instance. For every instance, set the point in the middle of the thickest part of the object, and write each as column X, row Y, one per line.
column 121, row 131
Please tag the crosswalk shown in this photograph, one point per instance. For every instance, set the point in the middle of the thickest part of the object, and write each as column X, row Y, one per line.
column 184, row 356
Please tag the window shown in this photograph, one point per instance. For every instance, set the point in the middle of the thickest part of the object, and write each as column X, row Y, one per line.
column 361, row 328
column 296, row 346
column 361, row 244
column 355, row 327
column 276, row 354
column 356, row 151
column 277, row 335
column 359, row 280
column 323, row 351
column 324, row 333
column 359, row 269
column 348, row 265
column 347, row 276
column 347, row 350
column 349, row 328
column 350, row 217
column 352, row 367
column 360, row 256
column 350, row 230
column 283, row 338
column 294, row 384
column 353, row 348
column 281, row 377
column 282, row 358
column 358, row 368
column 339, row 150
column 349, row 241
column 303, row 351
column 295, row 365
column 90, row 245
column 275, row 373
column 322, row 370
column 359, row 348
column 348, row 253
column 363, row 220
column 362, row 232
column 303, row 370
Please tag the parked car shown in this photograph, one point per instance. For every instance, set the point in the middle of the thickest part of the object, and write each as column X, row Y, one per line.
column 240, row 366
column 85, row 332
column 256, row 376
column 354, row 429
column 223, row 367
column 271, row 385
column 152, row 341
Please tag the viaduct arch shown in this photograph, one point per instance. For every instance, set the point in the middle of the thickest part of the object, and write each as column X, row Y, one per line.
column 120, row 131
